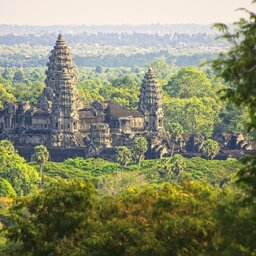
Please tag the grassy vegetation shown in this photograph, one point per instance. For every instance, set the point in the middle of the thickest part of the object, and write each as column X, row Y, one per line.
column 216, row 172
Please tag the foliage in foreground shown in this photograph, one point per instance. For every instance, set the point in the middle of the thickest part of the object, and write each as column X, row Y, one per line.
column 69, row 219
column 237, row 68
column 22, row 178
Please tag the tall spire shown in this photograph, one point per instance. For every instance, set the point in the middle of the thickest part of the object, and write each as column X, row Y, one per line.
column 60, row 38
column 61, row 93
column 150, row 102
column 60, row 66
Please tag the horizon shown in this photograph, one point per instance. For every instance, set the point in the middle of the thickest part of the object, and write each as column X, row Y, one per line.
column 118, row 12
column 108, row 24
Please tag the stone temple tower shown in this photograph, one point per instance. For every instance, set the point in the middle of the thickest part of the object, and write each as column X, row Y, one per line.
column 150, row 102
column 60, row 98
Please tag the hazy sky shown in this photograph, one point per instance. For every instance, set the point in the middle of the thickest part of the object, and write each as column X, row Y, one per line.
column 63, row 12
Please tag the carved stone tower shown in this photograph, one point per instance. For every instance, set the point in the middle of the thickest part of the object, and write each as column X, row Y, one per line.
column 60, row 97
column 150, row 103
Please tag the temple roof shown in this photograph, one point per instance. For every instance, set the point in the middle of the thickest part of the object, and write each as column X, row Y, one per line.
column 150, row 70
column 61, row 37
column 61, row 80
column 89, row 113
column 61, row 41
column 116, row 111
column 150, row 92
column 150, row 76
column 40, row 112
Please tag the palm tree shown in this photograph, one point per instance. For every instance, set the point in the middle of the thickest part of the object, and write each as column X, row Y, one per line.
column 139, row 148
column 123, row 156
column 41, row 156
column 211, row 148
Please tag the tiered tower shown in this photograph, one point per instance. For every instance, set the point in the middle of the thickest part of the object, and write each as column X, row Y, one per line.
column 150, row 103
column 60, row 96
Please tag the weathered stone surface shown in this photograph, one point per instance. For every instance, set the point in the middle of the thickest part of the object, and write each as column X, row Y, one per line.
column 150, row 103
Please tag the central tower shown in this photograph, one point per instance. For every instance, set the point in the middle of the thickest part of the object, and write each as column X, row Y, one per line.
column 60, row 96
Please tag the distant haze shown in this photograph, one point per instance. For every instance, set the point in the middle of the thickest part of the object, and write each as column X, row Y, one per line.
column 66, row 12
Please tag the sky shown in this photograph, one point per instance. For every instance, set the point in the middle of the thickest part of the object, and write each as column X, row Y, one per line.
column 77, row 12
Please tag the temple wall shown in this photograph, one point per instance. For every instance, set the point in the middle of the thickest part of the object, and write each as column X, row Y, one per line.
column 138, row 122
column 56, row 154
column 29, row 139
column 1, row 122
column 41, row 123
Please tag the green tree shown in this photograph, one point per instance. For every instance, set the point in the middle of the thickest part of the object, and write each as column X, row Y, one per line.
column 211, row 148
column 27, row 91
column 18, row 77
column 126, row 90
column 139, row 148
column 46, row 223
column 237, row 68
column 172, row 169
column 6, row 188
column 16, row 171
column 99, row 69
column 127, row 81
column 194, row 115
column 231, row 119
column 41, row 156
column 5, row 97
column 178, row 164
column 91, row 89
column 7, row 145
column 123, row 156
column 8, row 74
column 68, row 219
column 175, row 129
column 36, row 76
column 189, row 82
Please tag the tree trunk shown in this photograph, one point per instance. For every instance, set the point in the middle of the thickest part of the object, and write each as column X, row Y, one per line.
column 41, row 176
column 172, row 150
column 139, row 161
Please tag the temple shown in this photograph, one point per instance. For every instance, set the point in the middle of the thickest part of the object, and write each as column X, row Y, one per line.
column 150, row 103
column 70, row 127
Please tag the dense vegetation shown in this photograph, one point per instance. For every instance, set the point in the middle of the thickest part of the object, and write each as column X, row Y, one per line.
column 95, row 203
